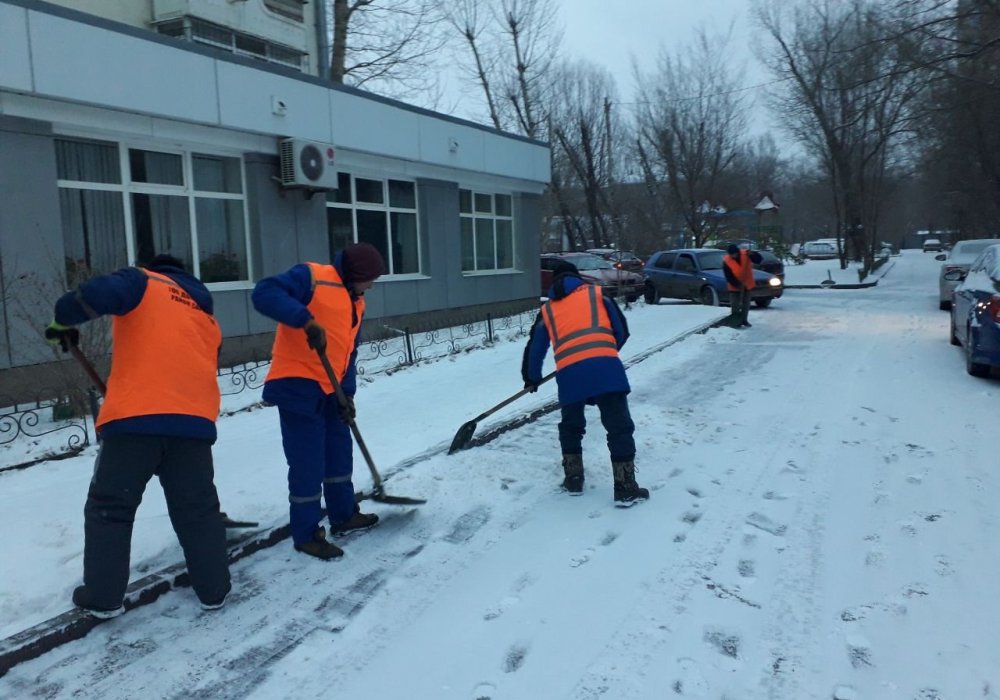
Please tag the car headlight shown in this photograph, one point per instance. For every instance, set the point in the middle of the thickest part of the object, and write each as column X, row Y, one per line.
column 774, row 282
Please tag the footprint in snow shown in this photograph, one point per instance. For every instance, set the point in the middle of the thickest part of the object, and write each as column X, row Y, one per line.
column 501, row 607
column 484, row 691
column 762, row 522
column 690, row 680
column 747, row 568
column 514, row 658
column 581, row 558
column 859, row 651
column 726, row 643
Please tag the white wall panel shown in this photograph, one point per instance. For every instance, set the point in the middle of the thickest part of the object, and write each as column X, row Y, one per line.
column 15, row 62
column 81, row 62
column 245, row 103
column 373, row 126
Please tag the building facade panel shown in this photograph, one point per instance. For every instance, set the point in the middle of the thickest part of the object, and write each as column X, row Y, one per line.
column 387, row 129
column 15, row 59
column 269, row 103
column 120, row 70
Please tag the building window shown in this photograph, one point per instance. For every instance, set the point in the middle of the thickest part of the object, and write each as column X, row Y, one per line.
column 487, row 231
column 208, row 34
column 116, row 210
column 380, row 212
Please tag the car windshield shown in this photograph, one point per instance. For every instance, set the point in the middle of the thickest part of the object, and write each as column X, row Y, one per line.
column 589, row 262
column 711, row 260
column 969, row 249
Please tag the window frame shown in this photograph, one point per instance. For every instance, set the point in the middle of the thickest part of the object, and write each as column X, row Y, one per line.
column 127, row 187
column 475, row 214
column 388, row 210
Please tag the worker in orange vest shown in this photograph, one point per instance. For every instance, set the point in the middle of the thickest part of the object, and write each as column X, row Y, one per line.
column 586, row 329
column 319, row 308
column 158, row 417
column 738, row 268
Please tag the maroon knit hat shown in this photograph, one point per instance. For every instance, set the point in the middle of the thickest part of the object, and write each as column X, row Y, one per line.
column 362, row 263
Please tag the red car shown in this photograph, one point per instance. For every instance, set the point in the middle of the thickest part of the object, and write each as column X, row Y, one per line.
column 595, row 270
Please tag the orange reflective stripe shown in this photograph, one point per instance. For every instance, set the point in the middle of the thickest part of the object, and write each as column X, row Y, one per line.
column 332, row 308
column 165, row 358
column 589, row 334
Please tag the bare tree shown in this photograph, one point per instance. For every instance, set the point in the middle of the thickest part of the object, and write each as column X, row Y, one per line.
column 387, row 46
column 691, row 122
column 510, row 47
column 846, row 100
column 583, row 131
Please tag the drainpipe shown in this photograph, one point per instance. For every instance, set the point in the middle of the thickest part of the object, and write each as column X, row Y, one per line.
column 322, row 41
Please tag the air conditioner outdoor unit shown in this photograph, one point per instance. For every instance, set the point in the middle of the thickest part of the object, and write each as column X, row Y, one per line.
column 307, row 164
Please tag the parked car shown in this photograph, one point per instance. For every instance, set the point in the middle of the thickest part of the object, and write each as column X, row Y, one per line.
column 818, row 250
column 959, row 258
column 696, row 274
column 622, row 259
column 932, row 245
column 975, row 312
column 595, row 270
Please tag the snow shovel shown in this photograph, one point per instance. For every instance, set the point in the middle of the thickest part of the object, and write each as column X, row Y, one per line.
column 377, row 493
column 101, row 387
column 465, row 433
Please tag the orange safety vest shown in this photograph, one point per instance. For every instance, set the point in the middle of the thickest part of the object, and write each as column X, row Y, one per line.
column 742, row 268
column 335, row 311
column 165, row 358
column 579, row 327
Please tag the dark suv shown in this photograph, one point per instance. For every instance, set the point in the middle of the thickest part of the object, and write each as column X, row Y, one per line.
column 595, row 270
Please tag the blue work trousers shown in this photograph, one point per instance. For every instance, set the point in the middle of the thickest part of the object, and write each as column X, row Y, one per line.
column 617, row 422
column 320, row 456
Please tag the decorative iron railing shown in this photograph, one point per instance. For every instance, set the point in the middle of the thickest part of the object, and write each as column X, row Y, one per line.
column 41, row 430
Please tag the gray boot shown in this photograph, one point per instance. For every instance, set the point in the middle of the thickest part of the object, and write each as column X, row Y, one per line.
column 573, row 469
column 627, row 492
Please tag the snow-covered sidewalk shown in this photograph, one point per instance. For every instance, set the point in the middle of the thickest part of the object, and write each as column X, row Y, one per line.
column 400, row 416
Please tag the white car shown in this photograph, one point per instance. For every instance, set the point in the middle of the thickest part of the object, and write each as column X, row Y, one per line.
column 959, row 258
column 932, row 245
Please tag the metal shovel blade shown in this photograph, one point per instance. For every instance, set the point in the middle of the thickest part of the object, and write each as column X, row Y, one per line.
column 462, row 437
column 381, row 497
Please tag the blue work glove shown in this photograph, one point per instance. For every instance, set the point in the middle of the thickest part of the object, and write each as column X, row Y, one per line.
column 59, row 336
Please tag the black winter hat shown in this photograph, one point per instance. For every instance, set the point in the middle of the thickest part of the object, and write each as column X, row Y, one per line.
column 564, row 267
column 164, row 260
column 362, row 263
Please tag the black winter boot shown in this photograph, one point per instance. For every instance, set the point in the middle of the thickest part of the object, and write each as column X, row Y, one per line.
column 82, row 601
column 320, row 547
column 573, row 469
column 627, row 492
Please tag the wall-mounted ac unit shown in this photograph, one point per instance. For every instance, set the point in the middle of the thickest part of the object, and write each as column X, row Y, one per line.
column 307, row 164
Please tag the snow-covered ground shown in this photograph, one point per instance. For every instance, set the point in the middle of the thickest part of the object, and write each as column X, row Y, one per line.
column 822, row 525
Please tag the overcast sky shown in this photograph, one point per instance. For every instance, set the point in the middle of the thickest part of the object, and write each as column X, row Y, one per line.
column 611, row 37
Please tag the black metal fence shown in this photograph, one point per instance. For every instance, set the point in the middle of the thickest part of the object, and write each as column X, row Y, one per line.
column 25, row 428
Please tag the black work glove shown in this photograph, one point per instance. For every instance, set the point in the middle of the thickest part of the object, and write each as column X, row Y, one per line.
column 347, row 411
column 315, row 336
column 58, row 335
column 530, row 387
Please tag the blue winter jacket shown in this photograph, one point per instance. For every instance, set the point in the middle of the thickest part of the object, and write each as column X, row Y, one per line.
column 586, row 379
column 117, row 294
column 284, row 298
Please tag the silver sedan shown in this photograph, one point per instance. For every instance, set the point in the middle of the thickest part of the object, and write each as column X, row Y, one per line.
column 959, row 258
